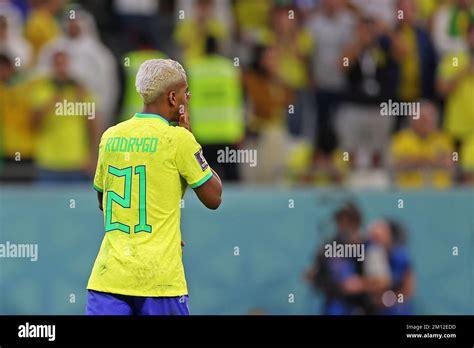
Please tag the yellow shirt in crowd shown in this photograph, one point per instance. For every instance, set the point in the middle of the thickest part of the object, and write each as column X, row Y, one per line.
column 63, row 139
column 459, row 111
column 40, row 28
column 18, row 135
column 191, row 36
column 408, row 145
column 410, row 78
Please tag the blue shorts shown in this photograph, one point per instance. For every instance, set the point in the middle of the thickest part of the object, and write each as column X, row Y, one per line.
column 103, row 303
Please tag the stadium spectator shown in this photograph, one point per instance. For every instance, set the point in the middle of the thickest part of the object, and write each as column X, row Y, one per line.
column 269, row 98
column 331, row 30
column 131, row 61
column 217, row 9
column 17, row 135
column 293, row 46
column 216, row 107
column 450, row 25
column 41, row 26
column 92, row 63
column 191, row 33
column 252, row 18
column 12, row 41
column 456, row 84
column 65, row 118
column 414, row 52
column 422, row 154
column 371, row 74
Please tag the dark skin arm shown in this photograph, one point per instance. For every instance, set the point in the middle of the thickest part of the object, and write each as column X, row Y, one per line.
column 99, row 197
column 210, row 192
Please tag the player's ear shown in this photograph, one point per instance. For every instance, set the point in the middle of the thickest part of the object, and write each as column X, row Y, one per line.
column 172, row 98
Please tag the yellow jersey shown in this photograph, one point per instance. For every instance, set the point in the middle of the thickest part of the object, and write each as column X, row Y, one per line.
column 406, row 144
column 62, row 141
column 459, row 106
column 143, row 169
column 19, row 135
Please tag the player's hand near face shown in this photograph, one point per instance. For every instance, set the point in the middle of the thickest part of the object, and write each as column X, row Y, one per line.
column 183, row 111
column 184, row 117
column 210, row 192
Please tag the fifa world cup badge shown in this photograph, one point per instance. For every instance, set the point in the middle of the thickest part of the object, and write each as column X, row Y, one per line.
column 201, row 160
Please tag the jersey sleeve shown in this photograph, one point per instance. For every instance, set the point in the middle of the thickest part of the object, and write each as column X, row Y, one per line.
column 99, row 172
column 190, row 161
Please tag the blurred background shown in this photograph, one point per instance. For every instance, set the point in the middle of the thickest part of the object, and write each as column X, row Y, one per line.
column 304, row 84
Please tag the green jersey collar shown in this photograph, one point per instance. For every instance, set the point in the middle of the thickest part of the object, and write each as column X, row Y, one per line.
column 148, row 115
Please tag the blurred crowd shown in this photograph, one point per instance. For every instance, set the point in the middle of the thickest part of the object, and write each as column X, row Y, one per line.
column 302, row 82
column 379, row 280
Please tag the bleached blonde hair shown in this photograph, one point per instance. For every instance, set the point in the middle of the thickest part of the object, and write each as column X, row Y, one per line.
column 156, row 76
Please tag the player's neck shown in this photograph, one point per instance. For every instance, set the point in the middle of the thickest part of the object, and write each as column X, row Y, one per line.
column 149, row 109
